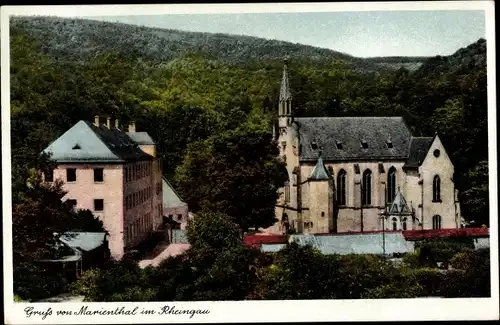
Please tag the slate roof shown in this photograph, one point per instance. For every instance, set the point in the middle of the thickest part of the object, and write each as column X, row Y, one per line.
column 325, row 134
column 419, row 146
column 170, row 197
column 85, row 241
column 85, row 142
column 319, row 172
column 356, row 244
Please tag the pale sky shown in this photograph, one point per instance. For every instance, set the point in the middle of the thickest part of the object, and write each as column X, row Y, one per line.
column 361, row 33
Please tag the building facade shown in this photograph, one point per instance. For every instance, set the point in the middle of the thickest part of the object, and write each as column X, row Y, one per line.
column 356, row 174
column 113, row 173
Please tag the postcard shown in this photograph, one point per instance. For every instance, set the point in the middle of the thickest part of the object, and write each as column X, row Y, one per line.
column 208, row 163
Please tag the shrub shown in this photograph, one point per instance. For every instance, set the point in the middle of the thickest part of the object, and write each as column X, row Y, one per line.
column 462, row 260
column 430, row 281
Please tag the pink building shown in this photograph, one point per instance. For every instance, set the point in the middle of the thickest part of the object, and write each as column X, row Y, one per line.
column 113, row 173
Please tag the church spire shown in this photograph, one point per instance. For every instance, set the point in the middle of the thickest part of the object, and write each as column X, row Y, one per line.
column 285, row 100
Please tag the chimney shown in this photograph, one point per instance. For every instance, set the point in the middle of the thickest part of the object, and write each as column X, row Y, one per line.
column 96, row 120
column 131, row 126
column 108, row 122
column 117, row 124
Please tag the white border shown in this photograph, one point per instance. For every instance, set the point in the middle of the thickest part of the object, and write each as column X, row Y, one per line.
column 260, row 311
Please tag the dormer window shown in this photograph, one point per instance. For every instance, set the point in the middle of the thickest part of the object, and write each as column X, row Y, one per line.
column 314, row 145
column 339, row 145
column 76, row 147
column 364, row 144
column 389, row 144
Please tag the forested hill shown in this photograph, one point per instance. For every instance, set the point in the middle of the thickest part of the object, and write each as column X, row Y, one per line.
column 183, row 88
column 80, row 39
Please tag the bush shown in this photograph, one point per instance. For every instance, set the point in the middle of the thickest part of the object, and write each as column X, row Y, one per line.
column 411, row 259
column 472, row 281
column 462, row 260
column 432, row 251
column 430, row 281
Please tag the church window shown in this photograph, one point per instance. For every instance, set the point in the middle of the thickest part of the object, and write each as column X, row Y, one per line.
column 287, row 192
column 404, row 224
column 436, row 153
column 436, row 189
column 394, row 224
column 364, row 144
column 366, row 190
column 391, row 185
column 436, row 222
column 341, row 187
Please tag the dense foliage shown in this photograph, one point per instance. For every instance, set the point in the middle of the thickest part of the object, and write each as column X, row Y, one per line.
column 39, row 217
column 193, row 88
column 237, row 273
column 209, row 101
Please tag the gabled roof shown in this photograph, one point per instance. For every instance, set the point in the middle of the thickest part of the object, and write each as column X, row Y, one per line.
column 419, row 146
column 344, row 138
column 319, row 172
column 399, row 205
column 85, row 142
column 170, row 197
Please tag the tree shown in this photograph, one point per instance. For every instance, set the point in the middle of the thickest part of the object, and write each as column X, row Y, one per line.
column 236, row 173
column 214, row 231
column 39, row 217
column 476, row 197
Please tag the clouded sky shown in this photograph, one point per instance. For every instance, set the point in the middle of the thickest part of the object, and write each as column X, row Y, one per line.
column 362, row 34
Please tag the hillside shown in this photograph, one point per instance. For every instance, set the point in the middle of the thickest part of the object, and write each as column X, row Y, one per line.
column 79, row 39
column 183, row 88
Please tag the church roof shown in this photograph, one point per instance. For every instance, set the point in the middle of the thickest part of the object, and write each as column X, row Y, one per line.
column 319, row 172
column 419, row 146
column 285, row 93
column 85, row 142
column 353, row 138
column 399, row 206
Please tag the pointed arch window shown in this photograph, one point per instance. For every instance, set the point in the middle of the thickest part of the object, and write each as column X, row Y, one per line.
column 436, row 222
column 403, row 222
column 366, row 191
column 391, row 184
column 394, row 224
column 341, row 187
column 287, row 192
column 436, row 189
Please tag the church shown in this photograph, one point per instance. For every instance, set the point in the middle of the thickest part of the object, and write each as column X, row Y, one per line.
column 360, row 174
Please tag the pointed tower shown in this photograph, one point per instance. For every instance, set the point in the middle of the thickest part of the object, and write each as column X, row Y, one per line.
column 285, row 100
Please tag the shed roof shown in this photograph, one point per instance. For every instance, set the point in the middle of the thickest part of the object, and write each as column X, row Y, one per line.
column 356, row 244
column 344, row 138
column 85, row 241
column 171, row 198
